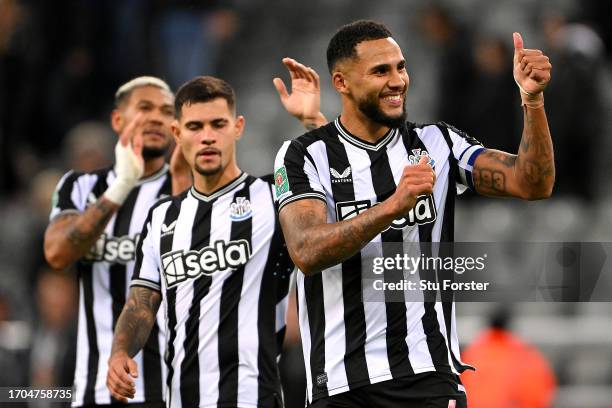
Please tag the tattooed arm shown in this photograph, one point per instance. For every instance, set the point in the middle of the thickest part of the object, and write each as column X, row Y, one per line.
column 131, row 333
column 530, row 174
column 70, row 236
column 314, row 244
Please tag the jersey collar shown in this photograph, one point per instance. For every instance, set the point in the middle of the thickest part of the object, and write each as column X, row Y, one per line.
column 220, row 191
column 354, row 140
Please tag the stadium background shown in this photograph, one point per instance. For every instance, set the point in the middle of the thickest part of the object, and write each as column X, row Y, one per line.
column 61, row 61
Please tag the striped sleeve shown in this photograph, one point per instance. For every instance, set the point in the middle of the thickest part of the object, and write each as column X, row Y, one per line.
column 465, row 149
column 295, row 175
column 146, row 268
column 70, row 193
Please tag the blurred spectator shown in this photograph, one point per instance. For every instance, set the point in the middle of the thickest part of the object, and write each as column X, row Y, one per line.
column 493, row 101
column 189, row 35
column 574, row 104
column 510, row 373
column 89, row 146
column 456, row 71
column 14, row 341
column 291, row 365
column 53, row 352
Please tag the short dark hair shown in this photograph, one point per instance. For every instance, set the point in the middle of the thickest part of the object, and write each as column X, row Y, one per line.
column 343, row 43
column 204, row 89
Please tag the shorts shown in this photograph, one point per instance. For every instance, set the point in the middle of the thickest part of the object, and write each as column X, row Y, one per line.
column 425, row 390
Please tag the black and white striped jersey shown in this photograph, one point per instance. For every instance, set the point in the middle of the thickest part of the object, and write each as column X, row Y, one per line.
column 104, row 277
column 349, row 343
column 222, row 267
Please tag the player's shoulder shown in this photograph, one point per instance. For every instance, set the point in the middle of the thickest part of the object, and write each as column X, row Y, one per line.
column 312, row 136
column 436, row 126
column 169, row 201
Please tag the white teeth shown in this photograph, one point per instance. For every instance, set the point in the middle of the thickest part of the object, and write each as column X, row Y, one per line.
column 393, row 98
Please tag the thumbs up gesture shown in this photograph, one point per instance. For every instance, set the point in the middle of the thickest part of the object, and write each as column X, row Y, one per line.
column 531, row 68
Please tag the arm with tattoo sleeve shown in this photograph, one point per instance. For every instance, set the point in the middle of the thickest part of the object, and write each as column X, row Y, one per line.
column 70, row 236
column 314, row 244
column 530, row 174
column 131, row 333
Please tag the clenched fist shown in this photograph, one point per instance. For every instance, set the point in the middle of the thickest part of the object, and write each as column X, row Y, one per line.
column 416, row 180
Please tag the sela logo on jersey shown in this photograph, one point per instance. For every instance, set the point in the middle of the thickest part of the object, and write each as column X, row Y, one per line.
column 113, row 249
column 221, row 255
column 337, row 177
column 241, row 209
column 416, row 155
column 423, row 212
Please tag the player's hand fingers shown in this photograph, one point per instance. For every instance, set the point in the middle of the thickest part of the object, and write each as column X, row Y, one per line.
column 116, row 394
column 290, row 64
column 539, row 62
column 137, row 143
column 132, row 368
column 315, row 76
column 130, row 129
column 423, row 188
column 301, row 70
column 119, row 385
column 121, row 378
column 280, row 88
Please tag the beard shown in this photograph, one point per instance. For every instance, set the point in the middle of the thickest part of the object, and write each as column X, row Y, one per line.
column 153, row 152
column 371, row 108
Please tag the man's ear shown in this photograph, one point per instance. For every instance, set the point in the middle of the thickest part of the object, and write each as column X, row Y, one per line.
column 239, row 125
column 117, row 121
column 340, row 82
column 176, row 131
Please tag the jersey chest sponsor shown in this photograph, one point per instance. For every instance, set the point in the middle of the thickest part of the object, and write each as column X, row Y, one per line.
column 423, row 212
column 181, row 265
column 113, row 249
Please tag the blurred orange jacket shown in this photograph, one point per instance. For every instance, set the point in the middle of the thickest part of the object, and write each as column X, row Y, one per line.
column 510, row 373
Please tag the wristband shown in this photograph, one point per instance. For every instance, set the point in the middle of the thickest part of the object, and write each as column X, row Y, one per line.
column 118, row 191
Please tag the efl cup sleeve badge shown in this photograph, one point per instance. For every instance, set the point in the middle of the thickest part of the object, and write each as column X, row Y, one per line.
column 416, row 155
column 281, row 183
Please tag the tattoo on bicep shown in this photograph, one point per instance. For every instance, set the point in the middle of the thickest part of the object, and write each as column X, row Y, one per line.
column 489, row 180
column 311, row 126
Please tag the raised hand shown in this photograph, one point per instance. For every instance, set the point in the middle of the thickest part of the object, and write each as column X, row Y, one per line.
column 129, row 164
column 531, row 68
column 304, row 101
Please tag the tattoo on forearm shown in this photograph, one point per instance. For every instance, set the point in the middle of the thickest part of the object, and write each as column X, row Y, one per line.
column 333, row 243
column 136, row 320
column 83, row 234
column 535, row 161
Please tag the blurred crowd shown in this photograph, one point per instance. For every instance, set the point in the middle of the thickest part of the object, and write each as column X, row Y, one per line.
column 61, row 62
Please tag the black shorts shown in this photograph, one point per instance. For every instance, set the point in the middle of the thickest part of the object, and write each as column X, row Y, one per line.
column 426, row 390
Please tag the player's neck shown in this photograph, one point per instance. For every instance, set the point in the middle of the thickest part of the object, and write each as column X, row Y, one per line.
column 359, row 125
column 152, row 166
column 209, row 184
